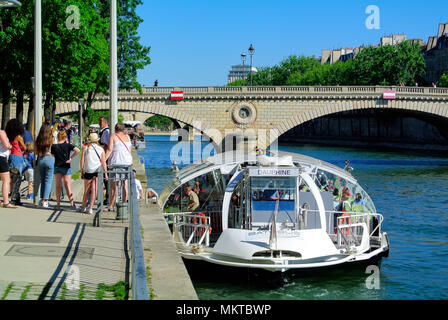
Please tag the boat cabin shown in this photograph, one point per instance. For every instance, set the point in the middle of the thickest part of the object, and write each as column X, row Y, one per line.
column 244, row 192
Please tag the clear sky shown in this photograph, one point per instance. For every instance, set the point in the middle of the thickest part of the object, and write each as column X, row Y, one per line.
column 195, row 42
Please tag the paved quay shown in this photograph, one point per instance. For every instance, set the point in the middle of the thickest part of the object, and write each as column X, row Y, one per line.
column 44, row 252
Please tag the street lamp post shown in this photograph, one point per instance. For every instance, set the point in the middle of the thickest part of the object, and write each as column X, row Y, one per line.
column 81, row 108
column 243, row 57
column 113, row 66
column 251, row 53
column 37, row 80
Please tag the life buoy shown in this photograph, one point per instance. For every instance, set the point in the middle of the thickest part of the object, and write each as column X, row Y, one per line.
column 201, row 221
column 345, row 221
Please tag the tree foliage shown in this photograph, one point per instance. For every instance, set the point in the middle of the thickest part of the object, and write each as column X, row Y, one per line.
column 159, row 122
column 75, row 59
column 383, row 65
column 443, row 82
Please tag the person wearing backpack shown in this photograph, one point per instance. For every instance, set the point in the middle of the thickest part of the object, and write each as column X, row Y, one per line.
column 92, row 159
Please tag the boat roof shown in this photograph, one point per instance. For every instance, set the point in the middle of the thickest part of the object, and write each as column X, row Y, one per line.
column 227, row 161
column 231, row 158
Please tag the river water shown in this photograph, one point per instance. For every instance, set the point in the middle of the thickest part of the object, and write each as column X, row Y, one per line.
column 410, row 190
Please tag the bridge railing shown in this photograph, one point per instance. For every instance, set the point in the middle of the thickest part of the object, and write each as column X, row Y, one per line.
column 293, row 89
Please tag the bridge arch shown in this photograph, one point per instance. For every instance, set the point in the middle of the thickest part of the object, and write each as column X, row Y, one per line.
column 327, row 109
column 433, row 115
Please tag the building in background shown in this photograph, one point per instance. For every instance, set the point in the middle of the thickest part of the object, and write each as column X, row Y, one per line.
column 436, row 54
column 240, row 72
column 392, row 39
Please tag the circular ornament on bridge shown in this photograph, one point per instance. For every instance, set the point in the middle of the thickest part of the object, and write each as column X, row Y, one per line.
column 244, row 114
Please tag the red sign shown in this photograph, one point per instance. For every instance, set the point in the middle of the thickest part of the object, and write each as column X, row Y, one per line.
column 177, row 95
column 389, row 95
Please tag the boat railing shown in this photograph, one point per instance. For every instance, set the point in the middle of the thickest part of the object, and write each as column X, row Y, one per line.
column 192, row 229
column 334, row 219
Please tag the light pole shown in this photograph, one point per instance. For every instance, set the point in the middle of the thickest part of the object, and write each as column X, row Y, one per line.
column 113, row 66
column 37, row 81
column 251, row 53
column 81, row 108
column 37, row 68
column 243, row 57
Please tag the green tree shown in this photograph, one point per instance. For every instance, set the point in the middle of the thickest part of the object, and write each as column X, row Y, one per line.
column 16, row 52
column 158, row 121
column 389, row 65
column 132, row 55
column 443, row 82
column 279, row 74
column 73, row 57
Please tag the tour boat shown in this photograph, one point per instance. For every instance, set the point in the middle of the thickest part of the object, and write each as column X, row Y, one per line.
column 274, row 212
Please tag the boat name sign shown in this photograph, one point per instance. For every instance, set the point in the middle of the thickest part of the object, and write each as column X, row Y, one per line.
column 280, row 234
column 290, row 172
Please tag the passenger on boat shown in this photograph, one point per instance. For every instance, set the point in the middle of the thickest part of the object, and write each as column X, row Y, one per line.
column 336, row 198
column 344, row 203
column 197, row 187
column 193, row 200
column 235, row 200
column 255, row 196
column 330, row 186
column 348, row 167
column 358, row 205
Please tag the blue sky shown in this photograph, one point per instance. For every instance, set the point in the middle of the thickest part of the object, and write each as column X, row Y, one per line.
column 195, row 42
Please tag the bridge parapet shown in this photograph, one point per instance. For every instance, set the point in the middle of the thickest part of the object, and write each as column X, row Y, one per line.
column 282, row 90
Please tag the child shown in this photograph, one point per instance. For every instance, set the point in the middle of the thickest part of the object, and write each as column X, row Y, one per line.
column 29, row 171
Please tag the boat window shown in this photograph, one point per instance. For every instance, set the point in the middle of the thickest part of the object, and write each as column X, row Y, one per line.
column 265, row 191
column 328, row 182
column 208, row 187
column 238, row 217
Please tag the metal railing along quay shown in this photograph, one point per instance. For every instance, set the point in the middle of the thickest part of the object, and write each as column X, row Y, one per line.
column 126, row 210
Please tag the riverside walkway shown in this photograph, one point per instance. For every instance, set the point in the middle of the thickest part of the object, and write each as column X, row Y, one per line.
column 48, row 254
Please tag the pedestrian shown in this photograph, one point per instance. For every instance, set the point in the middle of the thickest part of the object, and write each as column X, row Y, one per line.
column 104, row 135
column 118, row 153
column 5, row 147
column 27, row 137
column 62, row 170
column 45, row 161
column 68, row 130
column 434, row 85
column 156, row 83
column 92, row 158
column 138, row 186
column 29, row 169
column 14, row 130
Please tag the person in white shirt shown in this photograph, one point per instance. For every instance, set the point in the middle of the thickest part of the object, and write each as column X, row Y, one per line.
column 92, row 158
column 138, row 187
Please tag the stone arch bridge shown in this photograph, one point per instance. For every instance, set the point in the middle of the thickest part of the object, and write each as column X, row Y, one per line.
column 261, row 114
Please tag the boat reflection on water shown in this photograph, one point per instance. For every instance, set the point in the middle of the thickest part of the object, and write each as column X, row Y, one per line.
column 273, row 216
